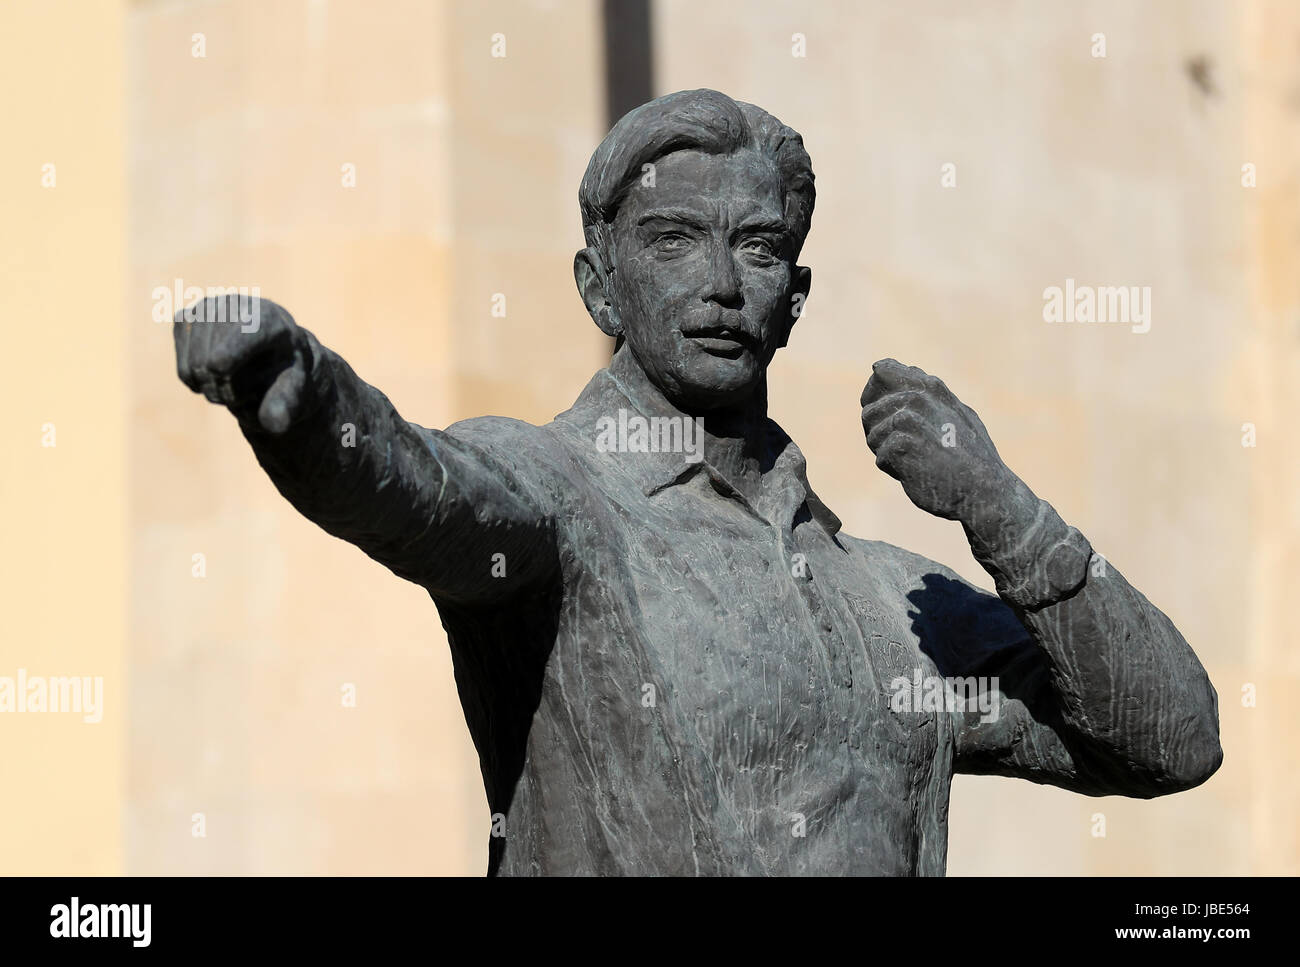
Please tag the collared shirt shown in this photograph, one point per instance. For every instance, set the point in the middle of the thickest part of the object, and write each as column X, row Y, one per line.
column 662, row 676
column 711, row 676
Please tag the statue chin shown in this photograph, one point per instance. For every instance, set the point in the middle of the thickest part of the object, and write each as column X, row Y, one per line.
column 702, row 389
column 707, row 383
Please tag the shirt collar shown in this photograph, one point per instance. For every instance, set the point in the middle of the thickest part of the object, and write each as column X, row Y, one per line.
column 784, row 491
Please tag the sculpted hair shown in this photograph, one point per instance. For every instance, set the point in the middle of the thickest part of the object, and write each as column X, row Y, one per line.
column 702, row 120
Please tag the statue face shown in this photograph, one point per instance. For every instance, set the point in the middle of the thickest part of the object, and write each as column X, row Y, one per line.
column 704, row 280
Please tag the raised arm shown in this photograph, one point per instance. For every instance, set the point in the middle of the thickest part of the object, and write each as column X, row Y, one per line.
column 1098, row 690
column 434, row 509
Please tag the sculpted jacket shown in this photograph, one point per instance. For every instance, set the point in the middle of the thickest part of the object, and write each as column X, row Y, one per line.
column 662, row 677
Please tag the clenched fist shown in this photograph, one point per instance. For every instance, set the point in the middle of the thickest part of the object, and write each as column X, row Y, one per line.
column 245, row 352
column 932, row 443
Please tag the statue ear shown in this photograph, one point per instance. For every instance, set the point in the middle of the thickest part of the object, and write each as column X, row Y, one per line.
column 593, row 285
column 798, row 299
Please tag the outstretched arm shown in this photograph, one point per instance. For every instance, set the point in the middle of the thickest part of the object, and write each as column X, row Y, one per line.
column 1099, row 692
column 432, row 508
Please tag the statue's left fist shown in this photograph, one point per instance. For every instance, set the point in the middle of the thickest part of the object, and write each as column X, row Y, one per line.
column 930, row 442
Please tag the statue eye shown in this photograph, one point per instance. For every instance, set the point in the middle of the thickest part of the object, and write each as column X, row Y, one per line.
column 671, row 243
column 760, row 247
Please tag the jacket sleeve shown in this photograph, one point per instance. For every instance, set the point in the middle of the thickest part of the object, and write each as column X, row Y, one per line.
column 1096, row 692
column 463, row 512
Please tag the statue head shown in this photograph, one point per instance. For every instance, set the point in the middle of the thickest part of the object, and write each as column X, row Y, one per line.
column 695, row 208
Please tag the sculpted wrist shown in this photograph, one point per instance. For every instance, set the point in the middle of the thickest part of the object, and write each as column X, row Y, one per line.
column 1046, row 562
column 317, row 391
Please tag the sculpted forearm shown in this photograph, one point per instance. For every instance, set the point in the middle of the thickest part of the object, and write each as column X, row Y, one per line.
column 351, row 464
column 1130, row 708
column 333, row 445
column 1123, row 683
column 427, row 506
column 1128, row 686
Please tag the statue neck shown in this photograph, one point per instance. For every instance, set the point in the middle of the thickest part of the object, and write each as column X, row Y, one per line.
column 734, row 437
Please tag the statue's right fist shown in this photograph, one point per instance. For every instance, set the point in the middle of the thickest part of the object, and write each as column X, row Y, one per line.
column 246, row 352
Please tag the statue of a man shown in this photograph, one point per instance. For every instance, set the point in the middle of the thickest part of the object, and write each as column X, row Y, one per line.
column 671, row 659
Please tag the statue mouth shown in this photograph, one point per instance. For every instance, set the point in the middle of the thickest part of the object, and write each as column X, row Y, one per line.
column 722, row 341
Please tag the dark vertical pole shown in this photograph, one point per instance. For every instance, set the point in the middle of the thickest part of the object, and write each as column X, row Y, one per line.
column 629, row 73
column 629, row 78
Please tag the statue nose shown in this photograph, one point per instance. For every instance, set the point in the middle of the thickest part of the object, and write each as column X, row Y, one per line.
column 723, row 284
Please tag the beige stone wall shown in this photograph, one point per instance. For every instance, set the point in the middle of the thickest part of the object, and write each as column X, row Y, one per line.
column 64, row 477
column 223, row 692
column 1111, row 171
column 465, row 168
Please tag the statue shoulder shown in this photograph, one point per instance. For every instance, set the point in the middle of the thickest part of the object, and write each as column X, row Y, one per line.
column 897, row 564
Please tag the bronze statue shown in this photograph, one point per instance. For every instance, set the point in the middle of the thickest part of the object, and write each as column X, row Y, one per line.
column 671, row 659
